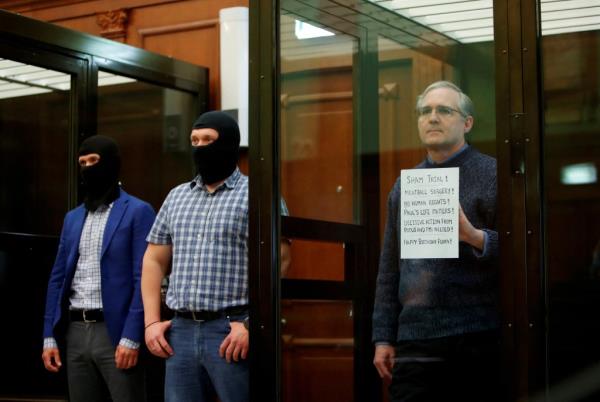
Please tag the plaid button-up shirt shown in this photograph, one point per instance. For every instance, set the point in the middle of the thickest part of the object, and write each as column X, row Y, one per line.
column 209, row 236
column 87, row 287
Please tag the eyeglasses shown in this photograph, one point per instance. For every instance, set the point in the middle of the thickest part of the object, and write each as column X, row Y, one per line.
column 444, row 111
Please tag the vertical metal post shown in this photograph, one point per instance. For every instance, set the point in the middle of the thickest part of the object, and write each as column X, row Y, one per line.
column 263, row 275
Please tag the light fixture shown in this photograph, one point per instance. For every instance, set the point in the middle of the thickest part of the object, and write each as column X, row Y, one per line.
column 472, row 21
column 304, row 30
column 20, row 79
column 105, row 79
column 578, row 174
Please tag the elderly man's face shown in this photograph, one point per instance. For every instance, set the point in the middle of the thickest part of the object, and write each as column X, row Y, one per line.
column 444, row 128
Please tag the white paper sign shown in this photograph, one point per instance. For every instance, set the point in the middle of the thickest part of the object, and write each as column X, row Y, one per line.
column 429, row 213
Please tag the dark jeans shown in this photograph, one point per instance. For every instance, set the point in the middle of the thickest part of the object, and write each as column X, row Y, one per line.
column 456, row 368
column 91, row 369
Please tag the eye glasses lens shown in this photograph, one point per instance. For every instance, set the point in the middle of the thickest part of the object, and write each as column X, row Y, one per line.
column 444, row 110
column 424, row 111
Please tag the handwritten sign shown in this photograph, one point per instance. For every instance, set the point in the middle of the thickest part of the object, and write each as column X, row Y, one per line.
column 429, row 213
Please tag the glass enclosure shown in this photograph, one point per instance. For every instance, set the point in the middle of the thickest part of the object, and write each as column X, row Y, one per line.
column 151, row 124
column 35, row 126
column 570, row 50
column 34, row 134
column 350, row 75
column 50, row 101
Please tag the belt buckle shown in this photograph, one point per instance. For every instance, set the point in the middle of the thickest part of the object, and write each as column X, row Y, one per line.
column 194, row 317
column 85, row 318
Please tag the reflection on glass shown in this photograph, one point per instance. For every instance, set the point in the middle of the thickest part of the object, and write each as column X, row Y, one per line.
column 415, row 43
column 403, row 73
column 571, row 90
column 463, row 21
column 20, row 79
column 316, row 260
column 152, row 126
column 34, row 130
column 317, row 127
column 318, row 347
column 579, row 173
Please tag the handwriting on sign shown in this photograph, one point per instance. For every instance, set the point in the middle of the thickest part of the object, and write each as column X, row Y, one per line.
column 429, row 213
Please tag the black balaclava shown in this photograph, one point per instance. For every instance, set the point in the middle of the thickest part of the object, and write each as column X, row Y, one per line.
column 217, row 160
column 100, row 181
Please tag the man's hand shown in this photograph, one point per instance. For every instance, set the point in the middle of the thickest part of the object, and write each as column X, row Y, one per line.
column 125, row 357
column 51, row 358
column 468, row 233
column 235, row 345
column 155, row 339
column 384, row 360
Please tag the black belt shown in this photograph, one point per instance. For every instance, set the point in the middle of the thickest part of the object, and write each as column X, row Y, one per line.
column 86, row 315
column 212, row 315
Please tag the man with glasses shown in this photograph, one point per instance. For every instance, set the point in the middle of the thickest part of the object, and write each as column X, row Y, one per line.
column 435, row 321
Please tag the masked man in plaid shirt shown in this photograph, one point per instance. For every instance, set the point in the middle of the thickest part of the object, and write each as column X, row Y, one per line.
column 200, row 239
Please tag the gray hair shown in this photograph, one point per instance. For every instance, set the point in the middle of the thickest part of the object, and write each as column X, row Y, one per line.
column 465, row 104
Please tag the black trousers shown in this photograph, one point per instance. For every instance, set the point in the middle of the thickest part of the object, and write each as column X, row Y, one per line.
column 91, row 369
column 456, row 368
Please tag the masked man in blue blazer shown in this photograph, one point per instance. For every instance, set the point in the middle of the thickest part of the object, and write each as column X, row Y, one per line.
column 94, row 302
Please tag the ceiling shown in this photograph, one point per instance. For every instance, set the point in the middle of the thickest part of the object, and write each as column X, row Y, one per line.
column 415, row 23
column 20, row 79
column 472, row 21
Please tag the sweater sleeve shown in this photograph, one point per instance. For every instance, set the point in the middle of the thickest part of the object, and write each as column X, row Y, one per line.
column 491, row 249
column 387, row 306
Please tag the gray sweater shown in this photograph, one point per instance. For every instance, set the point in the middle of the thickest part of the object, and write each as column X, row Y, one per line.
column 432, row 298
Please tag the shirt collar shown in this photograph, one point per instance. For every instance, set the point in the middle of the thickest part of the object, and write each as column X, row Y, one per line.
column 452, row 157
column 230, row 182
column 102, row 208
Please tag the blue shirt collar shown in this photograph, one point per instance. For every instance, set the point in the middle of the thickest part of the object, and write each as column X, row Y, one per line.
column 452, row 157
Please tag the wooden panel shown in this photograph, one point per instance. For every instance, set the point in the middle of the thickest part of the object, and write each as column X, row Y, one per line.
column 85, row 24
column 317, row 374
column 317, row 164
column 192, row 46
column 317, row 351
column 188, row 31
column 316, row 260
column 317, row 145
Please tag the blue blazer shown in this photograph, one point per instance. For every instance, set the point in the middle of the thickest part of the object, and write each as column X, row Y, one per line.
column 123, row 248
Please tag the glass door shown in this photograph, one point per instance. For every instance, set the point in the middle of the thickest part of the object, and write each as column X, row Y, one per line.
column 350, row 74
column 39, row 119
column 321, row 185
column 570, row 50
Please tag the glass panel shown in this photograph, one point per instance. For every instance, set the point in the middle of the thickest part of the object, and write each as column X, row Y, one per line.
column 316, row 260
column 317, row 350
column 317, row 120
column 35, row 123
column 450, row 42
column 326, row 67
column 34, row 129
column 403, row 74
column 571, row 90
column 151, row 124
